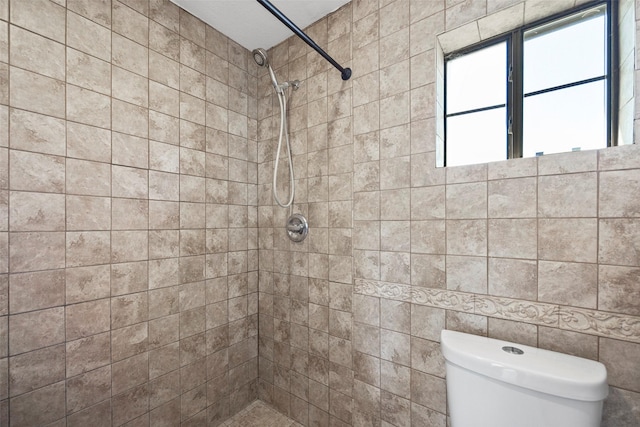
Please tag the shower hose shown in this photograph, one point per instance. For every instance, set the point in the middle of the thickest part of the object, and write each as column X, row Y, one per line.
column 284, row 134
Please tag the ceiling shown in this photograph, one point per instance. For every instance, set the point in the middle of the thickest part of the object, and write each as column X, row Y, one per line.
column 249, row 24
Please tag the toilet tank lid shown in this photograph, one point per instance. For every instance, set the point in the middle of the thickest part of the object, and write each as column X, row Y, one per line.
column 545, row 371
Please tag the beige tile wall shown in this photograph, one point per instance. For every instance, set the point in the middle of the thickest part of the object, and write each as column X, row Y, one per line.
column 138, row 214
column 129, row 216
column 541, row 251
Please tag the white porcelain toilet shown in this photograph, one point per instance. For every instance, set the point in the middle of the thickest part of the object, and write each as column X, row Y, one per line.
column 493, row 383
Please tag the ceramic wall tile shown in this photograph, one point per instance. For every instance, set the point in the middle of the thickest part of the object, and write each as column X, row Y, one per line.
column 36, row 53
column 88, row 37
column 32, row 15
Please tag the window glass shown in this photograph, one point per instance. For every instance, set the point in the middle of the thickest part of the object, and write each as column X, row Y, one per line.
column 476, row 137
column 477, row 80
column 537, row 90
column 565, row 52
column 564, row 120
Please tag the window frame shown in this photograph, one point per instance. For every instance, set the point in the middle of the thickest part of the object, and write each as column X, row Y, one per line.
column 515, row 65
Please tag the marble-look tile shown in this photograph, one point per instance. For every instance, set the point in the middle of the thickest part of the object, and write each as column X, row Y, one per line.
column 36, row 291
column 427, row 357
column 87, row 354
column 38, row 54
column 129, row 309
column 87, row 389
column 427, row 203
column 127, row 246
column 88, row 107
column 466, row 201
column 513, row 278
column 616, row 289
column 622, row 407
column 39, row 407
column 100, row 411
column 567, row 240
column 129, row 23
column 99, row 12
column 466, row 273
column 428, row 271
column 4, row 35
column 567, row 283
column 467, row 237
column 85, row 319
column 513, row 168
column 36, row 172
column 612, row 202
column 427, row 322
column 129, row 277
column 32, row 251
column 130, row 119
column 164, row 40
column 563, row 341
column 87, row 283
column 30, row 371
column 622, row 157
column 166, row 14
column 564, row 163
column 572, row 195
column 41, row 16
column 129, row 341
column 513, row 238
column 88, row 36
column 37, row 132
column 130, row 404
column 36, row 211
column 467, row 173
column 129, row 214
column 129, row 373
column 87, row 248
column 129, row 55
column 618, row 240
column 467, row 323
column 512, row 198
column 517, row 332
column 620, row 369
column 23, row 337
column 129, row 87
column 5, row 89
column 38, row 93
column 428, row 390
column 425, row 237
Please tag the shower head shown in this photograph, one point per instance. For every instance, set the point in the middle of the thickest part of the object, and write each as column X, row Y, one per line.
column 260, row 56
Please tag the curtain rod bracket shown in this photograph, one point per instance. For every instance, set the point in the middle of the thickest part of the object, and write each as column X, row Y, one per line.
column 345, row 72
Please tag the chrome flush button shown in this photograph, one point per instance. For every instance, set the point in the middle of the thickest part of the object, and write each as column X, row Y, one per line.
column 512, row 350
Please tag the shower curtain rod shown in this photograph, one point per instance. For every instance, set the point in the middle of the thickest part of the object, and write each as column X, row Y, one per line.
column 346, row 72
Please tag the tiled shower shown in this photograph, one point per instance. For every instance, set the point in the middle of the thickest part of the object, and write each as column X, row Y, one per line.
column 147, row 279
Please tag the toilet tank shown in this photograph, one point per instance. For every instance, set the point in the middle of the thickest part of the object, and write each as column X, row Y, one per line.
column 494, row 383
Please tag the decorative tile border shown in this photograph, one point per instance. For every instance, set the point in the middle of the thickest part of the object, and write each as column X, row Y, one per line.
column 592, row 322
column 517, row 310
column 604, row 324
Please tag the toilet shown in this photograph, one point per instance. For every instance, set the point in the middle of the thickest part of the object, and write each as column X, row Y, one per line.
column 493, row 383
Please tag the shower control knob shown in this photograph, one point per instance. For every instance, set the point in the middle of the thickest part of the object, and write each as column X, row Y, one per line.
column 297, row 227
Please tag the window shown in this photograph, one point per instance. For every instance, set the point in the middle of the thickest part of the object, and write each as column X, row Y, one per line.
column 544, row 88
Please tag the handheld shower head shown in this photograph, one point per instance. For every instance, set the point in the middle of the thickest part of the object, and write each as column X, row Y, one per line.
column 260, row 56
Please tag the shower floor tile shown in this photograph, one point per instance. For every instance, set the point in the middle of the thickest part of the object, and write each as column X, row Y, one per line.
column 259, row 414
